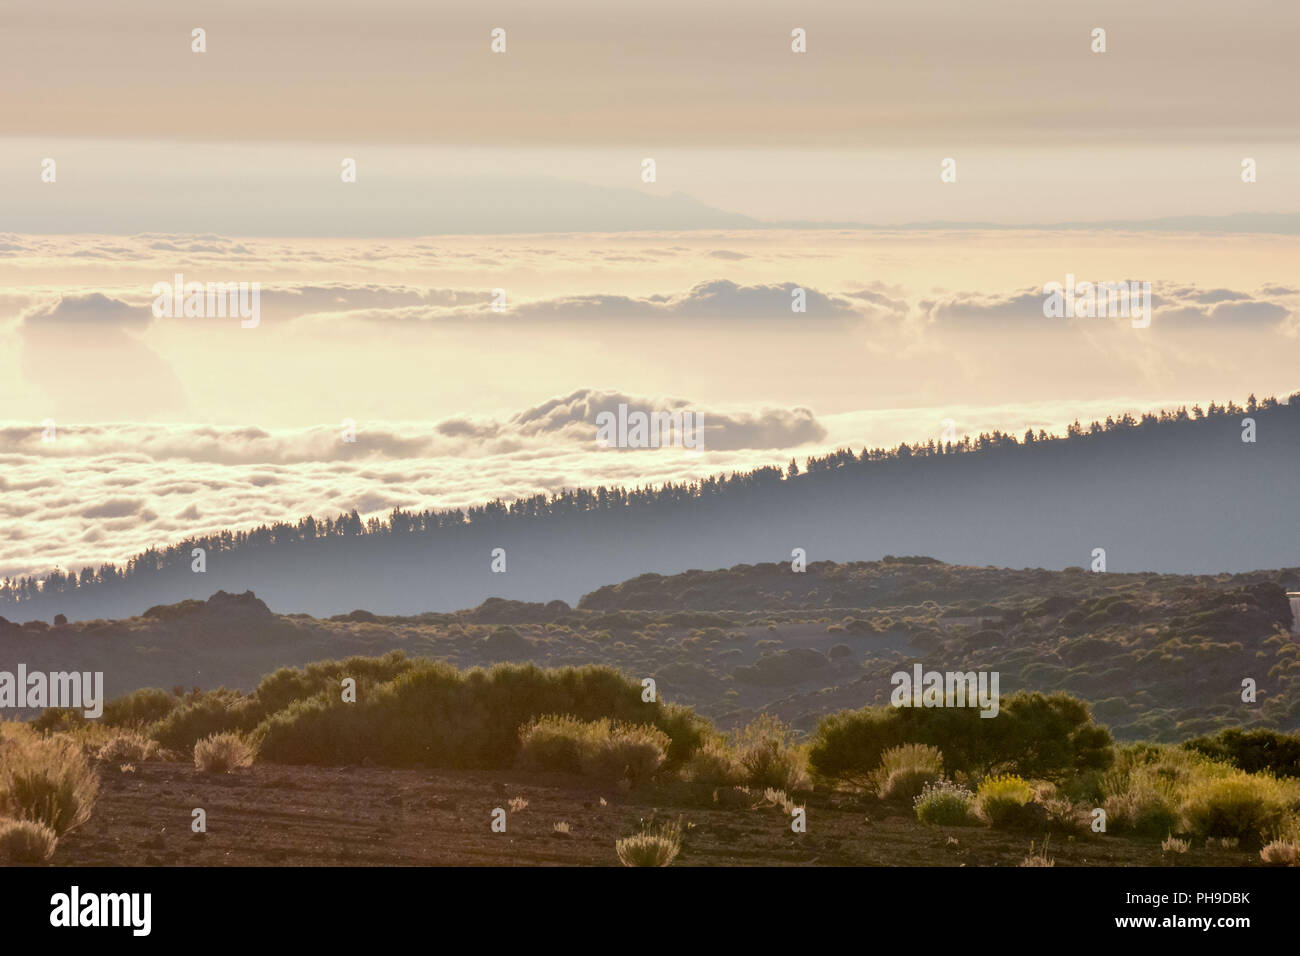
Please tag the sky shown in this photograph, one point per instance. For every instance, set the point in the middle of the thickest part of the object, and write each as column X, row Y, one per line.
column 524, row 172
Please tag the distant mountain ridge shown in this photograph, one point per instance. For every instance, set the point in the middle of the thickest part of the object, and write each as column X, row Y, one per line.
column 1160, row 657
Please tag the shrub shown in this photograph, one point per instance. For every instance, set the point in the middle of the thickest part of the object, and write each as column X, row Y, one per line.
column 1045, row 736
column 283, row 687
column 777, row 797
column 1001, row 800
column 140, row 708
column 768, row 755
column 733, row 798
column 715, row 764
column 203, row 715
column 945, row 804
column 907, row 770
column 626, row 751
column 1172, row 844
column 24, row 842
column 553, row 743
column 222, row 753
column 1280, row 853
column 598, row 748
column 847, row 746
column 1066, row 817
column 1038, row 857
column 47, row 781
column 433, row 715
column 1144, row 792
column 651, row 847
column 1141, row 809
column 1253, row 751
column 1245, row 806
column 128, row 747
column 135, row 710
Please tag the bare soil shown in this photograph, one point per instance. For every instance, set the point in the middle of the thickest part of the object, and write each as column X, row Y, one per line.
column 270, row 815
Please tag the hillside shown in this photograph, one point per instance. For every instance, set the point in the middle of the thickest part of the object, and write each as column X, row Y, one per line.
column 1161, row 657
column 1168, row 493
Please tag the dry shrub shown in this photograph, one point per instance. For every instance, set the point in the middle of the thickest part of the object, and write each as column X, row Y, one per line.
column 26, row 842
column 597, row 748
column 651, row 847
column 714, row 764
column 221, row 753
column 1172, row 844
column 1039, row 858
column 767, row 753
column 906, row 771
column 1142, row 808
column 1280, row 853
column 46, row 780
column 1066, row 817
column 779, row 798
column 630, row 752
column 733, row 798
column 128, row 747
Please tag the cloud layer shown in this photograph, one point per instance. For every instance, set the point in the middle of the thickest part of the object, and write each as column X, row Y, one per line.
column 101, row 492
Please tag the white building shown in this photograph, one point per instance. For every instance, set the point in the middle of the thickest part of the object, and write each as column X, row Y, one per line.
column 1294, row 598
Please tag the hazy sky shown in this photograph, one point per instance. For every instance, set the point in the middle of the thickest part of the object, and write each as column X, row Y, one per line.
column 672, row 73
column 550, row 135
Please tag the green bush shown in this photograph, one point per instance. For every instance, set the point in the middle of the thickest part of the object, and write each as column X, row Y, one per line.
column 553, row 743
column 433, row 715
column 1001, row 800
column 1253, row 751
column 202, row 715
column 140, row 708
column 598, row 748
column 1037, row 735
column 283, row 687
column 1246, row 806
column 945, row 804
column 1144, row 791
